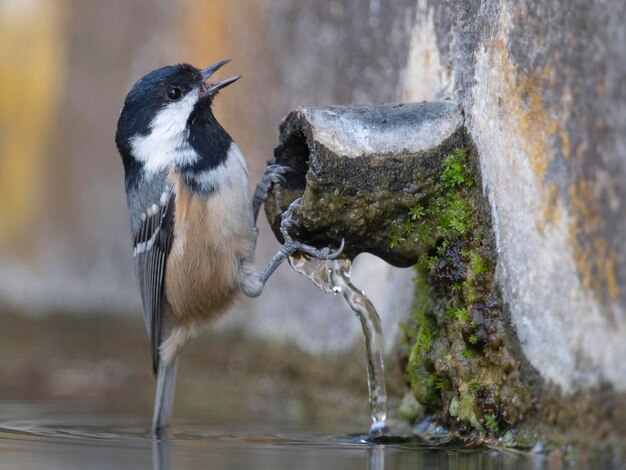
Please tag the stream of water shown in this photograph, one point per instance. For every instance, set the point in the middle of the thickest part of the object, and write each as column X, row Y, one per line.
column 333, row 277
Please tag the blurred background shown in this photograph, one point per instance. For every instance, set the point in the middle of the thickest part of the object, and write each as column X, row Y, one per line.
column 69, row 304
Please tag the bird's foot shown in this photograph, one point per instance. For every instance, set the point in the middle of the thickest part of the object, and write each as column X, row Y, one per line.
column 253, row 287
column 292, row 246
column 273, row 174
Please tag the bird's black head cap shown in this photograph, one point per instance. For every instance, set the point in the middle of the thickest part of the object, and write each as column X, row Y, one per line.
column 148, row 96
column 165, row 105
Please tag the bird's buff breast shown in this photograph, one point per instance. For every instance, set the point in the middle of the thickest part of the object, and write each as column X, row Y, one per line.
column 212, row 235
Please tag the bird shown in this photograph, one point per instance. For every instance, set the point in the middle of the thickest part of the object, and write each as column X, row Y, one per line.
column 192, row 215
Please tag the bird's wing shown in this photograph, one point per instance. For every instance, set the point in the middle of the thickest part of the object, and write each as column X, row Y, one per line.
column 152, row 244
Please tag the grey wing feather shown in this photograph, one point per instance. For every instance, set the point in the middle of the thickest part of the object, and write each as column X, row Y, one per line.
column 152, row 244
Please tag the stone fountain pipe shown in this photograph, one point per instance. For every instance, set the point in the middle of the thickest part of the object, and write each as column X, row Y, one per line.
column 357, row 168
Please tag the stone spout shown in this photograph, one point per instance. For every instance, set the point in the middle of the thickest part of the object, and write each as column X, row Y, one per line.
column 359, row 168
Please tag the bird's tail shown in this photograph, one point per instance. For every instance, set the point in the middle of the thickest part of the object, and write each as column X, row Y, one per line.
column 166, row 384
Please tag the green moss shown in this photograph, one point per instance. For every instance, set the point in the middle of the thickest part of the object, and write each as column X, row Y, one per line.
column 461, row 314
column 454, row 170
column 442, row 384
column 399, row 233
column 467, row 354
column 453, row 408
column 409, row 408
column 417, row 213
column 449, row 213
column 466, row 405
column 456, row 348
column 469, row 291
column 455, row 215
column 477, row 263
column 423, row 383
column 424, row 339
column 492, row 423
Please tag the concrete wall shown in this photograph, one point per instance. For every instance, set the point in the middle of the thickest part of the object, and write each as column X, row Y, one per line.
column 543, row 86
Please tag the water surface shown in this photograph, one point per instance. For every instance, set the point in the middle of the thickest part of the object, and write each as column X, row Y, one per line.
column 38, row 436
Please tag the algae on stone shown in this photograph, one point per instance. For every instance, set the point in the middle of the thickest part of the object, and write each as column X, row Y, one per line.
column 461, row 363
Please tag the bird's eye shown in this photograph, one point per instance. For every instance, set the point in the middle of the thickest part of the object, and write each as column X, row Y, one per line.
column 174, row 93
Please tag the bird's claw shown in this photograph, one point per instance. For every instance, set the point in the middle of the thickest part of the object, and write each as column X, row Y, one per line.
column 291, row 246
column 275, row 173
column 319, row 253
column 287, row 221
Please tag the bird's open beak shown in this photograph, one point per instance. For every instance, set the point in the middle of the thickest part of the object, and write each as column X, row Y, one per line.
column 210, row 89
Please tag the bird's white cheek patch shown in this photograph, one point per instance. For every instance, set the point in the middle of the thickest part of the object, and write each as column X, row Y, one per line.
column 168, row 141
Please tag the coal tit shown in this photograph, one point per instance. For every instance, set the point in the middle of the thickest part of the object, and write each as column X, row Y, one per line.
column 192, row 216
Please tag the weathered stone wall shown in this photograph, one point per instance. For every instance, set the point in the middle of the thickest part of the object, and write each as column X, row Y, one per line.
column 544, row 91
